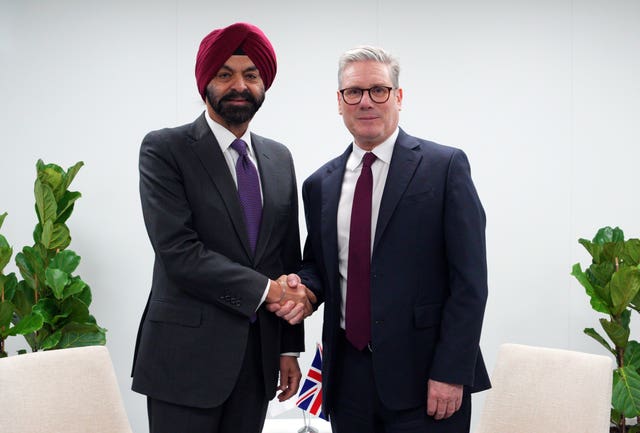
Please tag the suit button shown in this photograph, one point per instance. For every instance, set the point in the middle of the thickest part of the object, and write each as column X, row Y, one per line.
column 379, row 322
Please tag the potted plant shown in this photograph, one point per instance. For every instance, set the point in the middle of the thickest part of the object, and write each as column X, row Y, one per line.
column 50, row 305
column 612, row 282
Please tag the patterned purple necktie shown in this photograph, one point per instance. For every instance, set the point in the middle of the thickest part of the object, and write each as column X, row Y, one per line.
column 248, row 191
column 358, row 308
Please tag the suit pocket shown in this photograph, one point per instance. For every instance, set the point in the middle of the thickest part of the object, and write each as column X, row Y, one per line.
column 419, row 196
column 165, row 312
column 426, row 316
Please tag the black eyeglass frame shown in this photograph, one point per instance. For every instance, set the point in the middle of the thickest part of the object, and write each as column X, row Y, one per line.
column 389, row 89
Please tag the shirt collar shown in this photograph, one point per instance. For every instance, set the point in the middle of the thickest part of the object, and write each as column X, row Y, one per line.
column 383, row 151
column 226, row 137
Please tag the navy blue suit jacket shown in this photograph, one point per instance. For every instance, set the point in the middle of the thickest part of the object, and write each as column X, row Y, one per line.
column 428, row 272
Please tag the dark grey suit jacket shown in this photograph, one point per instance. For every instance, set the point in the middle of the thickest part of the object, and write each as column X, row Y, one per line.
column 206, row 282
column 428, row 272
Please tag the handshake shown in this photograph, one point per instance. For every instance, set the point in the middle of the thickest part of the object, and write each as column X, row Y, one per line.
column 289, row 299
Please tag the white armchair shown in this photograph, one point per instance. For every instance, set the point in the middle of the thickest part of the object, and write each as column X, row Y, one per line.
column 542, row 390
column 61, row 391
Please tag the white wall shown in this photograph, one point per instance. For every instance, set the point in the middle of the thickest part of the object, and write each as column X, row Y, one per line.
column 543, row 95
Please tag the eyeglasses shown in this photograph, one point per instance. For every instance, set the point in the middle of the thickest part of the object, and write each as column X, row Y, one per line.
column 353, row 95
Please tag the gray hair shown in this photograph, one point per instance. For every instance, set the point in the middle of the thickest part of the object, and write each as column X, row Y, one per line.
column 368, row 53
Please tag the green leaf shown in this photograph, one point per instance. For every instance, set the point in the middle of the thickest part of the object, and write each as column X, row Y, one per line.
column 607, row 234
column 6, row 313
column 71, row 173
column 67, row 261
column 78, row 310
column 611, row 251
column 5, row 252
column 85, row 295
column 48, row 309
column 626, row 392
column 61, row 237
column 24, row 299
column 9, row 283
column 47, row 233
column 624, row 286
column 616, row 332
column 632, row 355
column 56, row 280
column 46, row 206
column 594, row 334
column 631, row 254
column 65, row 206
column 78, row 335
column 52, row 175
column 2, row 217
column 75, row 287
column 600, row 274
column 634, row 429
column 31, row 266
column 28, row 324
column 597, row 303
column 593, row 249
column 52, row 340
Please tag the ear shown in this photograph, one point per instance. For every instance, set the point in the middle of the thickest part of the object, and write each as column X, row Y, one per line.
column 339, row 103
column 399, row 98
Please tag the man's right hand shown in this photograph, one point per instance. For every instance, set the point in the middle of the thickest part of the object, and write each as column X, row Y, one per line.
column 289, row 299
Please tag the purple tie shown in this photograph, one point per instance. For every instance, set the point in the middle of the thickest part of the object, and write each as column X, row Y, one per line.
column 248, row 191
column 358, row 309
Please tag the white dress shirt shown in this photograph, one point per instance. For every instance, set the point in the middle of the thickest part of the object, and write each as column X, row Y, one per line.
column 379, row 170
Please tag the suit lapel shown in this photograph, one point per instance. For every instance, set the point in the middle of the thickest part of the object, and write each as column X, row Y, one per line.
column 271, row 178
column 331, row 190
column 404, row 161
column 208, row 150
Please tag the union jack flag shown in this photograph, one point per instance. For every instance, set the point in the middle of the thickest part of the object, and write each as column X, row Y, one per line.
column 310, row 396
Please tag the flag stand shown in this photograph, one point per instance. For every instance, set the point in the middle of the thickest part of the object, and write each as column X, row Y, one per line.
column 307, row 424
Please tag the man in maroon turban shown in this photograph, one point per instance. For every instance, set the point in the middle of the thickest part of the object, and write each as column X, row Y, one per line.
column 221, row 211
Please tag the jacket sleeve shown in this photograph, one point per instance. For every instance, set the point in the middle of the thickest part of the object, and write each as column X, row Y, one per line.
column 464, row 230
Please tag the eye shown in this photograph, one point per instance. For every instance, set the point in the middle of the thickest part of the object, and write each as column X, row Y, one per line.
column 379, row 91
column 352, row 92
column 223, row 76
column 252, row 76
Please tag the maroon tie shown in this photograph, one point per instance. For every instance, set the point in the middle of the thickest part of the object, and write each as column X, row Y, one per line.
column 358, row 309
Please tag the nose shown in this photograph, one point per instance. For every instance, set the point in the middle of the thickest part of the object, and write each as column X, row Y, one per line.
column 239, row 83
column 366, row 100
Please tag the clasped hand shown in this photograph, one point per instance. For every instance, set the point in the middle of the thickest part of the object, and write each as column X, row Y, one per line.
column 289, row 299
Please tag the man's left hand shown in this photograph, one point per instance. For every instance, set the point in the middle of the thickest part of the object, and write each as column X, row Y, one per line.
column 443, row 399
column 290, row 376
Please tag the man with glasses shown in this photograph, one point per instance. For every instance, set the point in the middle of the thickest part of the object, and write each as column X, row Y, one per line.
column 396, row 251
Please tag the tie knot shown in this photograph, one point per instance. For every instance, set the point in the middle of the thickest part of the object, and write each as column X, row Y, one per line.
column 239, row 146
column 368, row 159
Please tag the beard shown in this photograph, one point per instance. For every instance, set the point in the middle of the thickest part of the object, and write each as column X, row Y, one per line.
column 234, row 114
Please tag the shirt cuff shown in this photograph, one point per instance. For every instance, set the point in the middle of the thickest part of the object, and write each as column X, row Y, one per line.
column 264, row 294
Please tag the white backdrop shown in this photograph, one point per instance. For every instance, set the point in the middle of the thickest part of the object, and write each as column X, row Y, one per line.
column 544, row 97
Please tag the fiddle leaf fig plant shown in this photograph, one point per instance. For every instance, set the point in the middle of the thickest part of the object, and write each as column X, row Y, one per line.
column 612, row 282
column 50, row 305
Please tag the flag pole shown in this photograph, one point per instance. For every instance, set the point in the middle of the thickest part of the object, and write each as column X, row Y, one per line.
column 307, row 426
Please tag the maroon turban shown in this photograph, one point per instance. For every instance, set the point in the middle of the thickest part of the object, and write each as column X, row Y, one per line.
column 220, row 44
